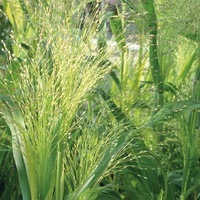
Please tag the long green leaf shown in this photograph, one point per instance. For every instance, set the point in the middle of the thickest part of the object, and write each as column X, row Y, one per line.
column 94, row 177
column 174, row 110
column 188, row 65
column 13, row 116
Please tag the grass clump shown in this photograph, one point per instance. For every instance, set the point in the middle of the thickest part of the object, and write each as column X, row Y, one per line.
column 83, row 120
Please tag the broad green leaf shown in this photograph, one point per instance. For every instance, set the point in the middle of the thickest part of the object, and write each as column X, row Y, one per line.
column 191, row 36
column 174, row 110
column 175, row 177
column 116, row 111
column 115, row 78
column 168, row 87
column 14, row 12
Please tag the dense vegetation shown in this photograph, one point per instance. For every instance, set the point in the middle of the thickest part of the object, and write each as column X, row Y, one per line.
column 86, row 115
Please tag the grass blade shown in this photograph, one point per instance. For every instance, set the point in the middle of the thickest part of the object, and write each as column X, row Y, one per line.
column 12, row 116
column 174, row 110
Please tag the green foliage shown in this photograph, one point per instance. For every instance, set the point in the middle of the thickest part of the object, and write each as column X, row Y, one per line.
column 81, row 120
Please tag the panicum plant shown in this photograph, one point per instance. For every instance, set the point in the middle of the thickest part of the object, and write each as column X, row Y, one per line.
column 53, row 74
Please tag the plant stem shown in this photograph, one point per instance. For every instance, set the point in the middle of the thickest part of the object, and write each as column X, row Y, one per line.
column 154, row 64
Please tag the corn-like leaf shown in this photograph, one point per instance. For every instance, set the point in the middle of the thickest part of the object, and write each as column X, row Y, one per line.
column 191, row 36
column 116, row 111
column 174, row 110
column 168, row 87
